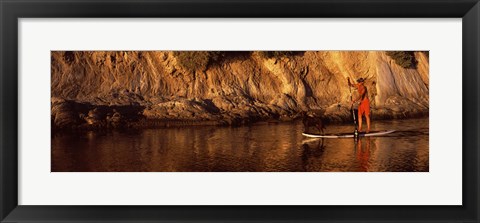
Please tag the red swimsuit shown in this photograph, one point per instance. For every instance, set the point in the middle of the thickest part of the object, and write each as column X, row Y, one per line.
column 364, row 107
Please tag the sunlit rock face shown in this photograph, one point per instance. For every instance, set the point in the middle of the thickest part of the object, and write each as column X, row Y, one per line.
column 243, row 87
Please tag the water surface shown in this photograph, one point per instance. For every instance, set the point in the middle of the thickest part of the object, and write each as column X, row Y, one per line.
column 260, row 148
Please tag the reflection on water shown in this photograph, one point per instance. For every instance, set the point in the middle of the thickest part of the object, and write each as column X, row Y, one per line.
column 260, row 148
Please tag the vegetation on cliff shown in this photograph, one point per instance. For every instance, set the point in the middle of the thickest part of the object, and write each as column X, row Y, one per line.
column 405, row 59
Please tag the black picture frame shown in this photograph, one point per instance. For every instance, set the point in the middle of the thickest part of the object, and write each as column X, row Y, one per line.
column 11, row 11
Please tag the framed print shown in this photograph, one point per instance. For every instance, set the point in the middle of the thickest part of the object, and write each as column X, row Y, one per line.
column 239, row 111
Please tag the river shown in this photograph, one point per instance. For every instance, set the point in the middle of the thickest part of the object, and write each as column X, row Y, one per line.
column 262, row 147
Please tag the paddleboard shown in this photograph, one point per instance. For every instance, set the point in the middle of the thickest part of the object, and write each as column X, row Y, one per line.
column 348, row 135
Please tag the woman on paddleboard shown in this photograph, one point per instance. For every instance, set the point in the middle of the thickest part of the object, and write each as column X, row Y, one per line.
column 364, row 107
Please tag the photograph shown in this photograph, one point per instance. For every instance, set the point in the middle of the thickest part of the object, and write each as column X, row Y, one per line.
column 239, row 111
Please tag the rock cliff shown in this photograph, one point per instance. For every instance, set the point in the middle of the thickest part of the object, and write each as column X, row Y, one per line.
column 103, row 88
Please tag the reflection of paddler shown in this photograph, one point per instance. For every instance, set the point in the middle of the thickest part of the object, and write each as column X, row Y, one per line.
column 364, row 107
column 363, row 154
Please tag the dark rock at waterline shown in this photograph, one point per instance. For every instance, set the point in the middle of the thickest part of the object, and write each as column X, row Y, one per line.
column 84, row 116
column 68, row 114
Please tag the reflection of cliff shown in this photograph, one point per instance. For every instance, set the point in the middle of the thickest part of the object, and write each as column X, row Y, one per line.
column 244, row 86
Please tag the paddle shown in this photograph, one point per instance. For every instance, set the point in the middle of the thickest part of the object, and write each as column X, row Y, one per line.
column 351, row 109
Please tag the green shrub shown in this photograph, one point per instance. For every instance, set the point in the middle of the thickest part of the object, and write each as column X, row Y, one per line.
column 405, row 59
column 216, row 56
column 200, row 60
column 276, row 54
column 192, row 60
